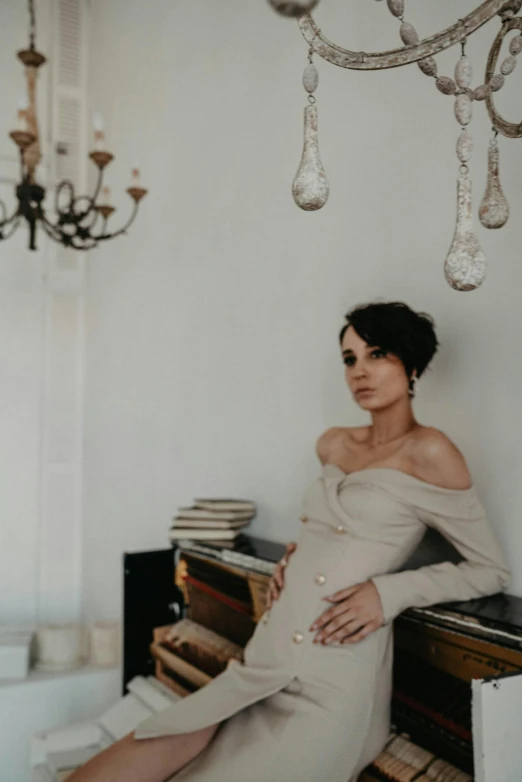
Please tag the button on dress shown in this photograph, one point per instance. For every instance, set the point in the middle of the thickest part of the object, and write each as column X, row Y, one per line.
column 295, row 710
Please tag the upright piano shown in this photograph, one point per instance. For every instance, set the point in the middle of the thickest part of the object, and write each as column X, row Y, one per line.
column 457, row 695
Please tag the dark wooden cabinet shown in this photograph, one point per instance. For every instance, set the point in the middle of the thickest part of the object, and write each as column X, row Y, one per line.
column 150, row 599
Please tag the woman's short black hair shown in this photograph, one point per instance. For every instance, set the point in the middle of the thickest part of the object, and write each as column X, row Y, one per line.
column 396, row 328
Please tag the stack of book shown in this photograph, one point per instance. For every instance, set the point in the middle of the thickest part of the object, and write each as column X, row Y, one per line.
column 224, row 591
column 188, row 655
column 215, row 519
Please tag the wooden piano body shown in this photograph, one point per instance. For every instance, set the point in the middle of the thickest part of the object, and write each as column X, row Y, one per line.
column 457, row 702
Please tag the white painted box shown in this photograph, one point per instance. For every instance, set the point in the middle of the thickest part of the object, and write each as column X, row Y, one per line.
column 15, row 653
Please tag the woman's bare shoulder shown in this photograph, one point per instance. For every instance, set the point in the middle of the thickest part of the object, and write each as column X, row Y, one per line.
column 336, row 436
column 438, row 460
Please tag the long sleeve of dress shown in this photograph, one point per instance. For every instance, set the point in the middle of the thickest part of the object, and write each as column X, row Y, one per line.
column 484, row 570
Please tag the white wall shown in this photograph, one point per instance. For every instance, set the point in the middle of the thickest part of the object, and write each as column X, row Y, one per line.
column 212, row 357
column 22, row 303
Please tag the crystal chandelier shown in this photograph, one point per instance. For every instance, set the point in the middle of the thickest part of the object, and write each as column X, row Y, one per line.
column 79, row 222
column 465, row 265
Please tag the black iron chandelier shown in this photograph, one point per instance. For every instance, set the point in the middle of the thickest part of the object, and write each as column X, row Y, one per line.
column 79, row 222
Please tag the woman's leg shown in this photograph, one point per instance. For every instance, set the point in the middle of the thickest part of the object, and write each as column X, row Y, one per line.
column 144, row 760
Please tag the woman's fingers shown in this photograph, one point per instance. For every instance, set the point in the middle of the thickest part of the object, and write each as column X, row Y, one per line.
column 352, row 632
column 278, row 576
column 344, row 631
column 337, row 624
column 333, row 617
column 272, row 591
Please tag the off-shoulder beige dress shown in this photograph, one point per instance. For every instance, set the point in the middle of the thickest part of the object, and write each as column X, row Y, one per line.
column 295, row 710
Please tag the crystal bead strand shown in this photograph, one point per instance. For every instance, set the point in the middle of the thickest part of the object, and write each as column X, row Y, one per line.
column 428, row 66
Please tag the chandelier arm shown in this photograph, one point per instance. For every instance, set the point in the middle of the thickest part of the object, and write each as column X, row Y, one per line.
column 65, row 184
column 13, row 227
column 83, row 246
column 91, row 200
column 51, row 230
column 122, row 230
column 54, row 231
column 509, row 129
column 69, row 214
column 97, row 187
column 95, row 214
column 80, row 217
column 92, row 225
column 394, row 58
column 61, row 237
column 4, row 220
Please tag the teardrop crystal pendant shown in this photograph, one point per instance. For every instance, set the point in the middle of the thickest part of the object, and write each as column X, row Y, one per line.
column 465, row 265
column 494, row 208
column 310, row 187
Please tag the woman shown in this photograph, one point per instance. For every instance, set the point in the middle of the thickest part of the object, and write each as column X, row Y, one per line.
column 312, row 699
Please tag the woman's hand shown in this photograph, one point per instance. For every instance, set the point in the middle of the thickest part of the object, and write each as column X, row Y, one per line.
column 357, row 613
column 276, row 583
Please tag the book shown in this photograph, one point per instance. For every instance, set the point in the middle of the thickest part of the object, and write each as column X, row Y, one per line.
column 176, row 683
column 176, row 664
column 223, row 515
column 216, row 503
column 235, row 581
column 181, row 521
column 222, row 544
column 256, row 554
column 198, row 645
column 201, row 534
column 211, row 608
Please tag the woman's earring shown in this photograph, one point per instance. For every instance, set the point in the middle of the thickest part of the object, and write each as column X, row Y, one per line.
column 411, row 392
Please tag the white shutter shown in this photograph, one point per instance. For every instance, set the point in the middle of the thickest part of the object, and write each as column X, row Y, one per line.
column 70, row 43
column 59, row 596
column 68, row 142
column 70, row 116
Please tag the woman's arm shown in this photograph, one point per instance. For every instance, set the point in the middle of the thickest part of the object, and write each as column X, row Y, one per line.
column 484, row 570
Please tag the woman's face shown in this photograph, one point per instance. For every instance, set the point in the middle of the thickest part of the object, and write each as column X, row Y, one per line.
column 368, row 367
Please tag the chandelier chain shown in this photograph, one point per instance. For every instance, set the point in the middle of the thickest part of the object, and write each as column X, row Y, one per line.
column 32, row 25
